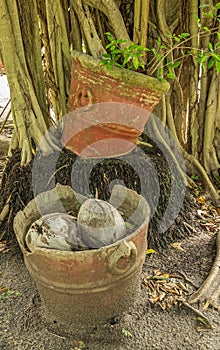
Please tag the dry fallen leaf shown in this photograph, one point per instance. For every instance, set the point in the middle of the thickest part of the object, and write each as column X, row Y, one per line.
column 3, row 247
column 3, row 289
column 201, row 200
column 150, row 251
column 177, row 245
column 165, row 290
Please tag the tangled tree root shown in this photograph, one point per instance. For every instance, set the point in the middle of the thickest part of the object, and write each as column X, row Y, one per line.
column 209, row 292
column 17, row 188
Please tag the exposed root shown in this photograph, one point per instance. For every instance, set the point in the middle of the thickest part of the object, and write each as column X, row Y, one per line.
column 209, row 291
column 198, row 313
column 204, row 176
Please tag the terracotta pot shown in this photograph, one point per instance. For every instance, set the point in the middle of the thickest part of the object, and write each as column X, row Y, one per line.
column 84, row 288
column 122, row 101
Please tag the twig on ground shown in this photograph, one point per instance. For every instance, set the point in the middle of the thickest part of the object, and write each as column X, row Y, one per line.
column 187, row 279
column 198, row 312
column 56, row 335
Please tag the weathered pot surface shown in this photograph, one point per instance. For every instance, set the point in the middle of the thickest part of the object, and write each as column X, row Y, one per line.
column 121, row 104
column 84, row 288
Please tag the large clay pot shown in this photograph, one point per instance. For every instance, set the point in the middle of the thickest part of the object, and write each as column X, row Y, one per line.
column 84, row 288
column 121, row 104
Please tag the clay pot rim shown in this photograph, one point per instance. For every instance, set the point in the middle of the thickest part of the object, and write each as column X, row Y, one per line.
column 131, row 77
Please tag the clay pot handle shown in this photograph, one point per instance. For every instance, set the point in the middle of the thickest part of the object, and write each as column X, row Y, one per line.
column 126, row 251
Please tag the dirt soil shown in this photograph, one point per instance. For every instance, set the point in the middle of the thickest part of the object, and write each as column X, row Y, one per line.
column 143, row 326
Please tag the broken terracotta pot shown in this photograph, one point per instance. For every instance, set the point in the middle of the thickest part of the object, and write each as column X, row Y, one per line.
column 81, row 289
column 108, row 108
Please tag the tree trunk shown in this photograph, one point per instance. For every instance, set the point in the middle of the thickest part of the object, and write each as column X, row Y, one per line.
column 193, row 117
column 29, row 120
column 191, row 114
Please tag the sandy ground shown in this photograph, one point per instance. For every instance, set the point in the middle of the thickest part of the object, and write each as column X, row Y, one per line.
column 22, row 325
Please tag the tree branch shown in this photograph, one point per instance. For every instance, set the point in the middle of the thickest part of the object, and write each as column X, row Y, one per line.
column 209, row 125
column 60, row 52
column 88, row 29
column 111, row 10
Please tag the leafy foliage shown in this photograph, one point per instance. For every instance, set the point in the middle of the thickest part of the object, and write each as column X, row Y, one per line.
column 164, row 62
column 164, row 56
column 131, row 57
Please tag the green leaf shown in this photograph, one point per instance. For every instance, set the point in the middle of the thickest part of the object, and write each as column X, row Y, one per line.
column 158, row 56
column 159, row 41
column 106, row 55
column 103, row 62
column 202, row 59
column 175, row 64
column 109, row 65
column 211, row 62
column 198, row 21
column 134, row 47
column 217, row 65
column 163, row 80
column 217, row 6
column 141, row 49
column 206, row 29
column 170, row 75
column 209, row 15
column 127, row 58
column 126, row 333
column 117, row 64
column 116, row 51
column 120, row 41
column 116, row 58
column 135, row 62
column 194, row 177
column 204, row 6
column 109, row 36
column 217, row 57
column 139, row 54
column 112, row 47
column 210, row 46
column 159, row 72
column 109, row 46
column 176, row 38
column 184, row 35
